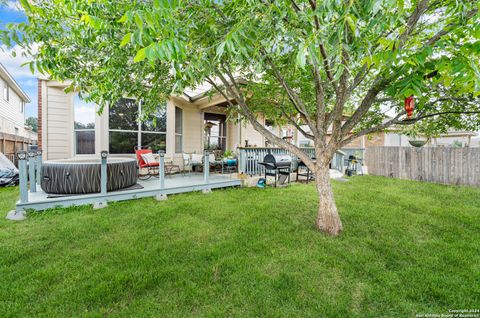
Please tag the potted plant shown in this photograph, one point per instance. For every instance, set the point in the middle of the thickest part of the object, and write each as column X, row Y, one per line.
column 229, row 158
column 417, row 137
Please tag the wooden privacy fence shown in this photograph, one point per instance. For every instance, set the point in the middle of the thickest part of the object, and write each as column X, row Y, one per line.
column 10, row 144
column 459, row 166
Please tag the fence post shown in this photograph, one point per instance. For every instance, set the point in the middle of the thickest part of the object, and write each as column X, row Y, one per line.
column 161, row 170
column 31, row 170
column 19, row 213
column 206, row 166
column 103, row 180
column 22, row 170
column 206, row 170
column 242, row 161
column 39, row 166
column 161, row 176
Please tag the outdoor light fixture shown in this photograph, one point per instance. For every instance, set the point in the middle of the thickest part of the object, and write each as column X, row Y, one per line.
column 22, row 155
column 104, row 154
column 409, row 106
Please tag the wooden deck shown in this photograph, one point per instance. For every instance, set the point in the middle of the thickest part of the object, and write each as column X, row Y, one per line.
column 39, row 200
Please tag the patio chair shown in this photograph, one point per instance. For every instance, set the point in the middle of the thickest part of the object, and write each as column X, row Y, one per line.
column 147, row 164
column 187, row 163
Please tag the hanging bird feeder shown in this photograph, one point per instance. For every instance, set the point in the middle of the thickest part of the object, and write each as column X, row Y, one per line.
column 409, row 106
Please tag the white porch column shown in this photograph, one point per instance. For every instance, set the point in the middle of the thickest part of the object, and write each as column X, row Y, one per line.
column 170, row 138
column 101, row 130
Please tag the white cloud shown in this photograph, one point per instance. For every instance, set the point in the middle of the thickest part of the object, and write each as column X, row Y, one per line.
column 13, row 5
column 14, row 64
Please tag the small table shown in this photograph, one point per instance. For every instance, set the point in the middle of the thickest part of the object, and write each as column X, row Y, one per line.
column 171, row 169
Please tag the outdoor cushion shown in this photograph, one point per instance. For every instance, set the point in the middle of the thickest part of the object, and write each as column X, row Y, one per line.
column 148, row 158
column 197, row 158
column 211, row 158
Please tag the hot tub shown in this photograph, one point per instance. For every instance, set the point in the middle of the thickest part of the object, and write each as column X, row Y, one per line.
column 80, row 176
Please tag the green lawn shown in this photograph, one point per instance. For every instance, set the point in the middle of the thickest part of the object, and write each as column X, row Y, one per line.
column 407, row 248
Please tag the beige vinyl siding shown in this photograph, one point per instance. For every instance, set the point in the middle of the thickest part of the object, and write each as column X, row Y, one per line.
column 249, row 133
column 192, row 129
column 232, row 136
column 59, row 123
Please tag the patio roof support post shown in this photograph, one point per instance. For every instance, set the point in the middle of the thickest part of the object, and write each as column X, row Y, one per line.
column 39, row 166
column 19, row 214
column 206, row 170
column 103, row 180
column 31, row 170
column 161, row 176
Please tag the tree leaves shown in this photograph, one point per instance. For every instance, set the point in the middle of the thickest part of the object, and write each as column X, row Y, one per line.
column 126, row 39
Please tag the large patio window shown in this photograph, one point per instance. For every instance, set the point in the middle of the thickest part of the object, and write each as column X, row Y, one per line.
column 125, row 132
column 84, row 126
column 215, row 131
column 178, row 130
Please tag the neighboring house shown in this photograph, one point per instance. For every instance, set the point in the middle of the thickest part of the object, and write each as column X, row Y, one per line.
column 14, row 134
column 12, row 106
column 69, row 127
column 393, row 138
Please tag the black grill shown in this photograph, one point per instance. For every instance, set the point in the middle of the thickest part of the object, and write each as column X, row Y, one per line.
column 278, row 166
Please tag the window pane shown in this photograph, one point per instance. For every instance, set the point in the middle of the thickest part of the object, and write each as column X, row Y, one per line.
column 124, row 115
column 123, row 142
column 85, row 142
column 178, row 120
column 156, row 121
column 155, row 141
column 84, row 113
column 178, row 144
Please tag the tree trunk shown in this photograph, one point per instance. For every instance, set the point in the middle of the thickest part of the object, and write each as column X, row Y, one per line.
column 328, row 219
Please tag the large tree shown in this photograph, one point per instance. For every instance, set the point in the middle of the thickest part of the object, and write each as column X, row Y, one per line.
column 331, row 68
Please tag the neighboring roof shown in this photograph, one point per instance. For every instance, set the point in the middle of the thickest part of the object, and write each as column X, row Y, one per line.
column 11, row 81
column 459, row 133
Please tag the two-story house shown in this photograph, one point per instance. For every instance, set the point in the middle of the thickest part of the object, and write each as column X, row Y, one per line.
column 15, row 134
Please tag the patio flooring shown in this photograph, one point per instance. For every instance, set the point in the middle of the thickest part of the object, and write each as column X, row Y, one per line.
column 173, row 184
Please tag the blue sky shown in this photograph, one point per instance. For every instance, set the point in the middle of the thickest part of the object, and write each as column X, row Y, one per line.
column 11, row 13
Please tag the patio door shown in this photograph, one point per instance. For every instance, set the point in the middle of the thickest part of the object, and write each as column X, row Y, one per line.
column 214, row 132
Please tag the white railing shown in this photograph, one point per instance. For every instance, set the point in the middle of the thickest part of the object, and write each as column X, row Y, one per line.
column 249, row 158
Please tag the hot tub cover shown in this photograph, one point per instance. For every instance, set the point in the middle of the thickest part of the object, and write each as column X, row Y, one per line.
column 83, row 176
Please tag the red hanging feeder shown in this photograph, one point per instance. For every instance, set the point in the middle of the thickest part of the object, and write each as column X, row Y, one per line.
column 409, row 106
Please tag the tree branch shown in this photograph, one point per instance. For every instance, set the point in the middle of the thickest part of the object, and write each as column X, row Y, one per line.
column 370, row 130
column 259, row 127
column 448, row 29
column 414, row 120
column 297, row 103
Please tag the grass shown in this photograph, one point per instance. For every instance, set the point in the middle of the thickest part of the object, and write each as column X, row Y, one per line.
column 407, row 248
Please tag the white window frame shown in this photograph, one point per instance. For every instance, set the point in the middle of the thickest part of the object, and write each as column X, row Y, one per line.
column 75, row 130
column 178, row 134
column 6, row 92
column 139, row 130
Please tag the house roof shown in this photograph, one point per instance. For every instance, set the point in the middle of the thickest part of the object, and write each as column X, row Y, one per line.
column 195, row 93
column 12, row 83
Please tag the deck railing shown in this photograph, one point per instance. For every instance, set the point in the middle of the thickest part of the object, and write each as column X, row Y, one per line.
column 249, row 158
